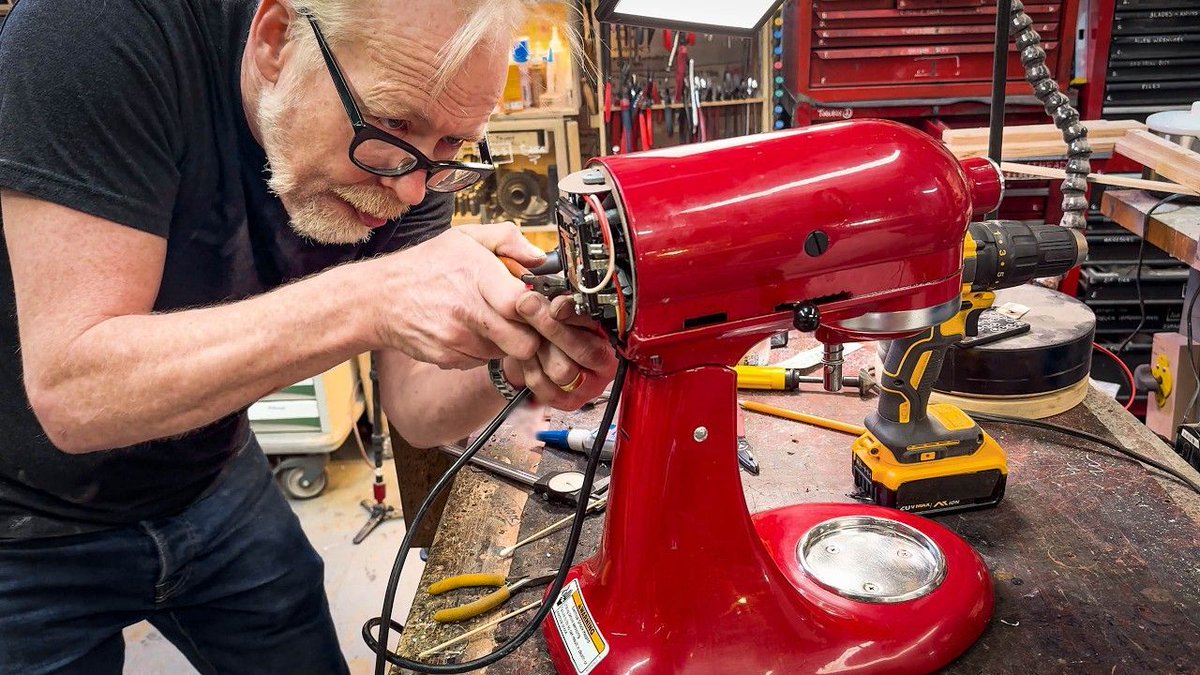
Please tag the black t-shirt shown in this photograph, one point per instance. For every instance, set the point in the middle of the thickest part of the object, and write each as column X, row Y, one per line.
column 131, row 110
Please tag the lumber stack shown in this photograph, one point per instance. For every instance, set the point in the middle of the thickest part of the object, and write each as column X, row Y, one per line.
column 1036, row 140
column 1167, row 159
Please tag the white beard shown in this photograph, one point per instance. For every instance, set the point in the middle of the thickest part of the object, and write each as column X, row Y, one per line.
column 311, row 209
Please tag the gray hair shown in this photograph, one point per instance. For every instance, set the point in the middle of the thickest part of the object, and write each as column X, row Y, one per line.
column 483, row 22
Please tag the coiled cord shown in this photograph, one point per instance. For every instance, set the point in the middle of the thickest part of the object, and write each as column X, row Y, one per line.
column 1059, row 108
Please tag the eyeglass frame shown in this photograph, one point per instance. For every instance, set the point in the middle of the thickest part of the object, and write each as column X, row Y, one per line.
column 365, row 131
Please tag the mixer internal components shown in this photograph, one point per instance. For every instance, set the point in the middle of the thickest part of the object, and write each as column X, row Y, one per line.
column 596, row 252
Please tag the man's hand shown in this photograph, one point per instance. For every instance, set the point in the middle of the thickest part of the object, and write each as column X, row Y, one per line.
column 451, row 302
column 572, row 353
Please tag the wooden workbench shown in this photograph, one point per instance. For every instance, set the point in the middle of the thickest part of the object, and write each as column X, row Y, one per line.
column 1095, row 559
column 1174, row 228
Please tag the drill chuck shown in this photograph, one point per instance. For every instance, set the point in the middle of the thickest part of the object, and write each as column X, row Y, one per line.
column 1009, row 253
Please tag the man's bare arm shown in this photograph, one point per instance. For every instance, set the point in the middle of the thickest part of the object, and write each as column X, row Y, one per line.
column 102, row 371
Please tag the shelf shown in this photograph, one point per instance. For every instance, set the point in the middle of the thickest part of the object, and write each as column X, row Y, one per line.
column 706, row 104
column 535, row 114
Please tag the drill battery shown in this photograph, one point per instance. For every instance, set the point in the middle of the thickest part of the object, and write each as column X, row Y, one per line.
column 931, row 478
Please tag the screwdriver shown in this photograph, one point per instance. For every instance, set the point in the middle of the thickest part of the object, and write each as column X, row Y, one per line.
column 790, row 379
column 766, row 377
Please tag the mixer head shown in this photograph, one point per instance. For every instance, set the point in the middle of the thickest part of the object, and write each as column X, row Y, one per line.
column 690, row 255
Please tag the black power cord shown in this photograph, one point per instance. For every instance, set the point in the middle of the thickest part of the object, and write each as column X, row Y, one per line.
column 384, row 621
column 1092, row 438
column 1137, row 277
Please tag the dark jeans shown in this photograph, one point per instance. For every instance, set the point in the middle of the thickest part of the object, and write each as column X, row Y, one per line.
column 232, row 582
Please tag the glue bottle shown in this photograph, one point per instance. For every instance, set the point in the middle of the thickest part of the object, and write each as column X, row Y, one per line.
column 513, row 97
column 558, row 68
column 521, row 56
column 580, row 440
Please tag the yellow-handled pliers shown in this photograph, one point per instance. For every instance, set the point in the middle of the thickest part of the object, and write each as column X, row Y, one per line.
column 504, row 590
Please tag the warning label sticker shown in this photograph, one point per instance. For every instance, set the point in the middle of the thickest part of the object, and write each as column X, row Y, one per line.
column 585, row 645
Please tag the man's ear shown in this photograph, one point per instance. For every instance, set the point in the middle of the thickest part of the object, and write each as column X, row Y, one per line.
column 268, row 38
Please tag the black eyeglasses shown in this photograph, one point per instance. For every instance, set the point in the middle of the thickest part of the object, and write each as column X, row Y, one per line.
column 378, row 152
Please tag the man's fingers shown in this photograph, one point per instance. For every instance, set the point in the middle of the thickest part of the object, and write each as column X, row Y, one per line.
column 513, row 338
column 581, row 346
column 505, row 239
column 562, row 309
column 546, row 391
column 560, row 369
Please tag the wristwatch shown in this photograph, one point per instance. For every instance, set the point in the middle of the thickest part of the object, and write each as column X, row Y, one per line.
column 496, row 372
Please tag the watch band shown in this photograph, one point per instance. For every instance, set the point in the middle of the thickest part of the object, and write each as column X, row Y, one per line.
column 496, row 372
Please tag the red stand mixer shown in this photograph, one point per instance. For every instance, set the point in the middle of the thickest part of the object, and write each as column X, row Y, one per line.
column 688, row 256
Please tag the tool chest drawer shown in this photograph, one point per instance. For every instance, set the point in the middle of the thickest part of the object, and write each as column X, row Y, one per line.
column 914, row 35
column 843, row 17
column 904, row 50
column 900, row 65
column 1155, row 23
column 1153, row 70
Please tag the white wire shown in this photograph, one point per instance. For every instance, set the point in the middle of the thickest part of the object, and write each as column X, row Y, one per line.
column 602, row 219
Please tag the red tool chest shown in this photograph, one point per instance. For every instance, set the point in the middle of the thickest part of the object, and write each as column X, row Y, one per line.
column 850, row 51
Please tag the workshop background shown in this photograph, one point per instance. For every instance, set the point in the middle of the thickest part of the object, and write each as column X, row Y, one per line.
column 925, row 63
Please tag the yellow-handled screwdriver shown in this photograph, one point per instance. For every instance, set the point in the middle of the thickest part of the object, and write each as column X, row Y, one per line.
column 768, row 377
column 776, row 378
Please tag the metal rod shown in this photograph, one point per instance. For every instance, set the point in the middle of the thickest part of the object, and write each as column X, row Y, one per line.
column 475, row 631
column 999, row 83
column 550, row 529
column 503, row 470
column 831, row 376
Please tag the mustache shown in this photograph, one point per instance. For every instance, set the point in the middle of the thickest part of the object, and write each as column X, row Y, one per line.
column 373, row 202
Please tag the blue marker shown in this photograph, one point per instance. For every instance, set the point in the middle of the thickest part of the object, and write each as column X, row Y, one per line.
column 580, row 440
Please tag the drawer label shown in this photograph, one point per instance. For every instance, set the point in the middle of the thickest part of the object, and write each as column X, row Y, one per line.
column 585, row 645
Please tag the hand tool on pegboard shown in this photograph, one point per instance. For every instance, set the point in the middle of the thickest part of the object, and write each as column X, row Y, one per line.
column 669, row 114
column 627, row 129
column 646, row 115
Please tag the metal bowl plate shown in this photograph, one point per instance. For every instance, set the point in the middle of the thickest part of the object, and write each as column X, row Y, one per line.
column 871, row 559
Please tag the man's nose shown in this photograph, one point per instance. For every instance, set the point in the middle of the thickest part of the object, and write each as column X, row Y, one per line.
column 409, row 188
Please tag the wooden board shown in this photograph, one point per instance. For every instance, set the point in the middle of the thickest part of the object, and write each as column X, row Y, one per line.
column 1166, row 158
column 1035, row 140
column 483, row 517
column 1119, row 181
column 1029, row 133
column 1032, row 407
column 1174, row 228
column 1093, row 558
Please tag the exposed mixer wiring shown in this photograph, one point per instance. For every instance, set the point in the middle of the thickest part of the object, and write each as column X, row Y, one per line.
column 602, row 220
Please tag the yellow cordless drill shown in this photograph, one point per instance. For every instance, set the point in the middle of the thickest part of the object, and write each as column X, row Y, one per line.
column 934, row 458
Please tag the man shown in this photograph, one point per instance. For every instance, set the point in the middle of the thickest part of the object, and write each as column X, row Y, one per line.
column 158, row 279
